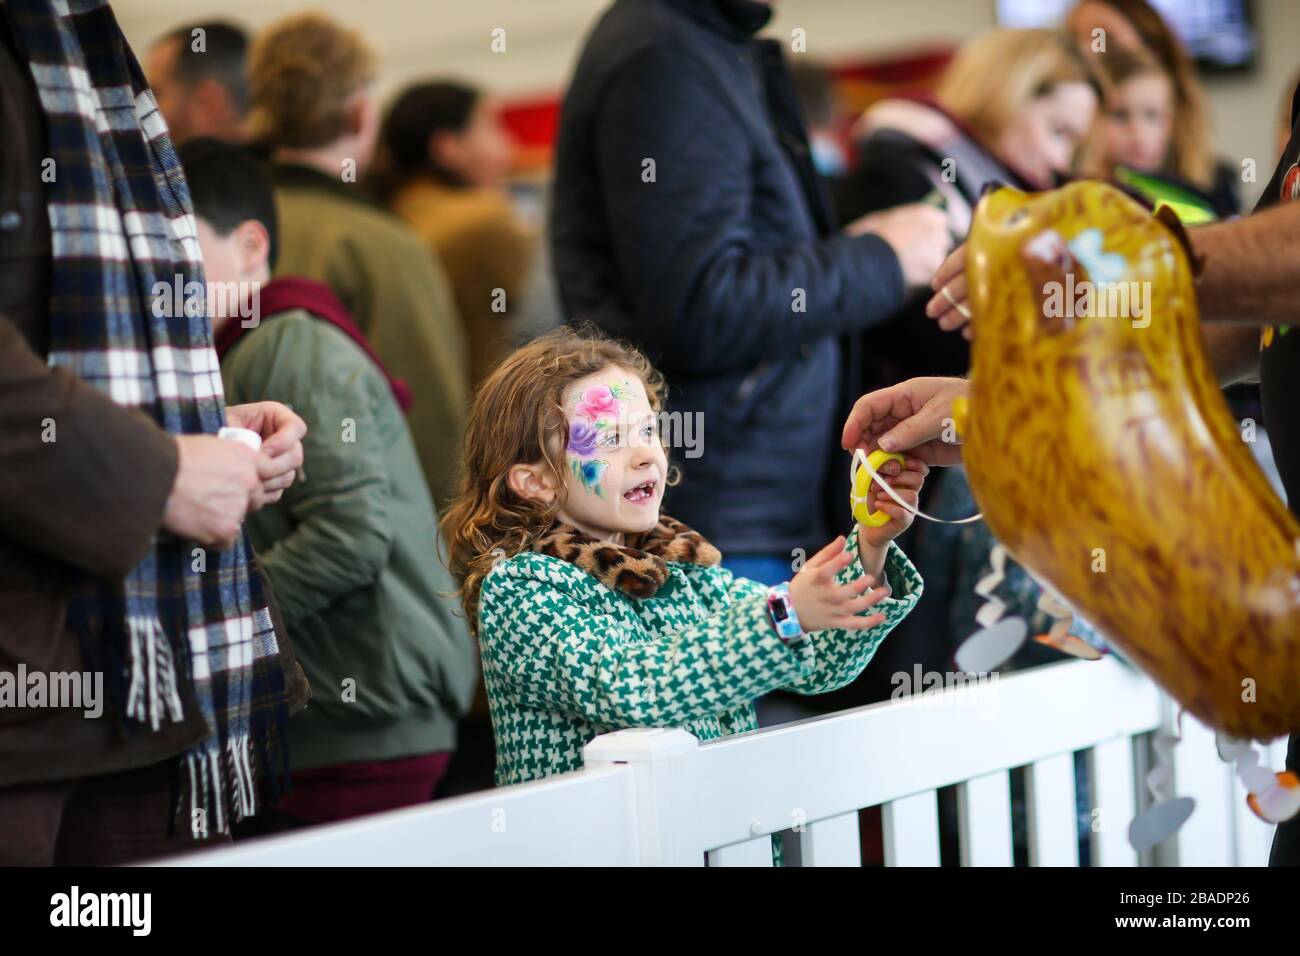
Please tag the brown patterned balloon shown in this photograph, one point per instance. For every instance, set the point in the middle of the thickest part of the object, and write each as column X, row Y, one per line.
column 1102, row 453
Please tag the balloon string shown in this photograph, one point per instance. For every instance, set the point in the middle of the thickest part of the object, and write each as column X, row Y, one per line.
column 1161, row 775
column 860, row 455
column 994, row 607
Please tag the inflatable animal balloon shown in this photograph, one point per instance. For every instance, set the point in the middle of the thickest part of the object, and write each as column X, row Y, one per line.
column 1103, row 455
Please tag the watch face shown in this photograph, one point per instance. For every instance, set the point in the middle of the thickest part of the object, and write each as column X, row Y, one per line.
column 779, row 612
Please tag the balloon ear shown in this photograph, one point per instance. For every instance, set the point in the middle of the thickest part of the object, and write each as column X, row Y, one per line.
column 1169, row 219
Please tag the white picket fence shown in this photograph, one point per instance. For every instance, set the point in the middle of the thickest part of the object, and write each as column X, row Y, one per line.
column 659, row 797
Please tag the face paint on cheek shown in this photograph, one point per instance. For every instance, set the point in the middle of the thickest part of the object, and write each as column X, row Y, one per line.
column 589, row 474
column 588, row 470
column 583, row 439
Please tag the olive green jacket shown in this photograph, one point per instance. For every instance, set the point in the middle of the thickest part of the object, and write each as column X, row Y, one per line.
column 396, row 292
column 352, row 553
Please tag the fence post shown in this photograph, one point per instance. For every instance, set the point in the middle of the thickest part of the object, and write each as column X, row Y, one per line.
column 661, row 759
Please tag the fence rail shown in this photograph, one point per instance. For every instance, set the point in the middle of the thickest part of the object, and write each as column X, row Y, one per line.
column 660, row 797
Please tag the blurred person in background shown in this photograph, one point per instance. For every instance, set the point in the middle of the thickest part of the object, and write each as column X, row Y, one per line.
column 1013, row 107
column 689, row 219
column 445, row 156
column 1136, row 136
column 316, row 113
column 349, row 552
column 1199, row 187
column 1135, row 23
column 198, row 73
column 1138, row 121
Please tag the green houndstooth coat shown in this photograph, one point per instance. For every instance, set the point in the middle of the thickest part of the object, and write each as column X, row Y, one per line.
column 567, row 657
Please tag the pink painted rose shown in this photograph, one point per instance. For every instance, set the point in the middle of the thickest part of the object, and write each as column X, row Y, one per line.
column 596, row 401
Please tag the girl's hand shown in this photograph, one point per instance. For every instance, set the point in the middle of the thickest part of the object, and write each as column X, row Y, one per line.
column 907, row 481
column 822, row 603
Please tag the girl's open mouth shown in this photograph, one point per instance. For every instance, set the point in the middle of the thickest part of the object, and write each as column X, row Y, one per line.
column 642, row 492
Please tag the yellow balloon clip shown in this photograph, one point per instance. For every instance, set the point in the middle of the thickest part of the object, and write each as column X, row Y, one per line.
column 859, row 498
column 960, row 414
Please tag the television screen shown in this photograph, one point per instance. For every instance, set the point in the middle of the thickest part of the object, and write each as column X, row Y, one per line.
column 1220, row 34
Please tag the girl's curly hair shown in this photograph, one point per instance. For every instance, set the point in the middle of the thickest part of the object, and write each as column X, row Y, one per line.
column 518, row 417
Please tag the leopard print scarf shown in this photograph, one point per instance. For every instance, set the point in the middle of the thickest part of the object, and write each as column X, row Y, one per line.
column 637, row 569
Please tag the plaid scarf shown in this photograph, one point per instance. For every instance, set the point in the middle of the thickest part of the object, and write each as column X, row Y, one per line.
column 184, row 629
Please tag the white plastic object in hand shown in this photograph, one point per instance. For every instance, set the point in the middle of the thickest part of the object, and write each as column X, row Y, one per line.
column 245, row 436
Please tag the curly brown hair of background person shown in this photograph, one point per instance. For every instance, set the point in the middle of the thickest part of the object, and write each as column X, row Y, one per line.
column 302, row 72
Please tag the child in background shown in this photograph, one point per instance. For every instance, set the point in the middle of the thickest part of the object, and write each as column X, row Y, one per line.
column 349, row 550
column 1139, row 118
column 1137, row 134
column 595, row 612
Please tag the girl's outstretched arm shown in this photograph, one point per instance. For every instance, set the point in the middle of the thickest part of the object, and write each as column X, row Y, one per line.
column 547, row 639
column 842, row 655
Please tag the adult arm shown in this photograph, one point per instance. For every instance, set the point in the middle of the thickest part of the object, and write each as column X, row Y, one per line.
column 1252, row 268
column 82, row 479
column 842, row 654
column 1233, row 350
column 1251, row 273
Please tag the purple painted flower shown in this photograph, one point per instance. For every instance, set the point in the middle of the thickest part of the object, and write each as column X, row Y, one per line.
column 582, row 439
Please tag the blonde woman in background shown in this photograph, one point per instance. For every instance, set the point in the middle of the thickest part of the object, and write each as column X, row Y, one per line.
column 1015, row 107
column 316, row 113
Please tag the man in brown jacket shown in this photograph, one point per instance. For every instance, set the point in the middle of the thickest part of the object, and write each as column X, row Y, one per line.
column 92, row 490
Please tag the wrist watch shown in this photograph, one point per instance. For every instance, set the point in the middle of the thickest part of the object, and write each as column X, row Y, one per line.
column 784, row 619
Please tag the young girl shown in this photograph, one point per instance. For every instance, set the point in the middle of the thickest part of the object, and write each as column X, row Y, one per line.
column 1139, row 120
column 595, row 612
column 1138, row 133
